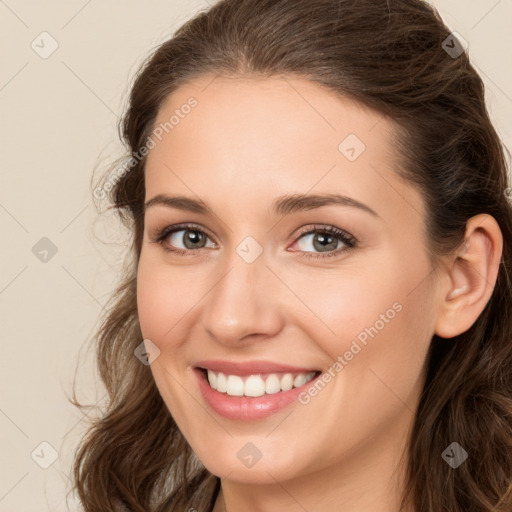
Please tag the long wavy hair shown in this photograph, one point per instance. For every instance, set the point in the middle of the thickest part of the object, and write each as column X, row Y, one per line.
column 394, row 57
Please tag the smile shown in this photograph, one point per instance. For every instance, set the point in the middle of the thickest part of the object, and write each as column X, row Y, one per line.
column 251, row 397
column 257, row 385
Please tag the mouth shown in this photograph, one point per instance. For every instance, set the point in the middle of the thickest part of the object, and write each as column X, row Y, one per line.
column 251, row 390
column 257, row 384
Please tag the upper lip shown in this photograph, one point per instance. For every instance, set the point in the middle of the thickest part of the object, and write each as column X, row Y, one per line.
column 250, row 367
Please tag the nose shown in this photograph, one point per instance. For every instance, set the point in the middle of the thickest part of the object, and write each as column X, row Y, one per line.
column 244, row 303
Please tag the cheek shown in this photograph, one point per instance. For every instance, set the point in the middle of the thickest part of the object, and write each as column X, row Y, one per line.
column 377, row 359
column 161, row 304
column 376, row 318
column 163, row 297
column 370, row 293
column 149, row 303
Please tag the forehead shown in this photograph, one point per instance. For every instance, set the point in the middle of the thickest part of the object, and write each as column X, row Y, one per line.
column 241, row 111
column 264, row 136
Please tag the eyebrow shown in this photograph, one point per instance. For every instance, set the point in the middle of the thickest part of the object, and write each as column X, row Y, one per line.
column 283, row 205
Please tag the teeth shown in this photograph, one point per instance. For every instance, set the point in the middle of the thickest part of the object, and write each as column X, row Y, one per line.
column 255, row 385
column 235, row 385
column 212, row 379
column 287, row 382
column 272, row 384
column 222, row 383
column 300, row 380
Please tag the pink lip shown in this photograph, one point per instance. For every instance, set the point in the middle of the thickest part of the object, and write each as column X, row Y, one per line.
column 243, row 407
column 250, row 367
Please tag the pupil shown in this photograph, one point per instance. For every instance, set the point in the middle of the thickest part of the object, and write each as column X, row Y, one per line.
column 193, row 237
column 323, row 241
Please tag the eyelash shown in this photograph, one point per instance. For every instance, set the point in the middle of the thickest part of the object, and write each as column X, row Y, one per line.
column 347, row 239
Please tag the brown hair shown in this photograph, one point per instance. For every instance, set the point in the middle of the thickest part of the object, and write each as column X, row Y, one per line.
column 390, row 56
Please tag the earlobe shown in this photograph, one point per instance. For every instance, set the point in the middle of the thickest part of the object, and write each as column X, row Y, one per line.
column 472, row 275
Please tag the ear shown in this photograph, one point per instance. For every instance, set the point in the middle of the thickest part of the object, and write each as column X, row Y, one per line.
column 471, row 277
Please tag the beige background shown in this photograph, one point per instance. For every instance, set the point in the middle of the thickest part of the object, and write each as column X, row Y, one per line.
column 59, row 122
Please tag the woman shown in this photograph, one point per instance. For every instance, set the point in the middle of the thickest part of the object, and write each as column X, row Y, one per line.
column 318, row 311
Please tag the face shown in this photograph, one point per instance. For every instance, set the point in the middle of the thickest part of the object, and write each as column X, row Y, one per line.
column 257, row 273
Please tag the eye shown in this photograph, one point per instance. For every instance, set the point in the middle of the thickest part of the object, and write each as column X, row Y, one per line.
column 327, row 240
column 191, row 237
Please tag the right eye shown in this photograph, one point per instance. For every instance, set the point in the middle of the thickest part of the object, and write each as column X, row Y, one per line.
column 188, row 235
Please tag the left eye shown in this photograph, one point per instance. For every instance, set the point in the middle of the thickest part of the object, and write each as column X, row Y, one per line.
column 326, row 241
column 321, row 242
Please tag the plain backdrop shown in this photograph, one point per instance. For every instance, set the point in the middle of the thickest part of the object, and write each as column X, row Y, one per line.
column 60, row 260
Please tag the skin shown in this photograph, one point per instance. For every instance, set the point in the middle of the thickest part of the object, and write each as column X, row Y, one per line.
column 248, row 141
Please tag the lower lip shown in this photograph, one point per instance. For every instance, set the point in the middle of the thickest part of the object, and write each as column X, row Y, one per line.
column 243, row 407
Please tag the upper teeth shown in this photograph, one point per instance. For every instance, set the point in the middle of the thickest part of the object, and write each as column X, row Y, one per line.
column 256, row 385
